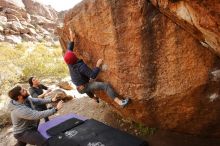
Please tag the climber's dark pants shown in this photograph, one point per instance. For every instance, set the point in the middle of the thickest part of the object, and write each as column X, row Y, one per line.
column 93, row 86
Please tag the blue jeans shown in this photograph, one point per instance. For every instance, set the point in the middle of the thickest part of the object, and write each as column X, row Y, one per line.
column 91, row 86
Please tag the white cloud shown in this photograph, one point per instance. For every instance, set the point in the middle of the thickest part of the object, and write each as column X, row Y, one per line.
column 60, row 5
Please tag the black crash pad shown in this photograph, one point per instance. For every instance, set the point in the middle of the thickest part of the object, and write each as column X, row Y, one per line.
column 64, row 126
column 94, row 133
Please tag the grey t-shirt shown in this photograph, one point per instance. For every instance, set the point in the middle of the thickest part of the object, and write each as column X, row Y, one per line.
column 24, row 116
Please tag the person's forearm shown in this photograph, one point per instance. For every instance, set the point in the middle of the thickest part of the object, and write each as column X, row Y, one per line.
column 42, row 114
column 36, row 115
column 40, row 101
column 70, row 46
column 95, row 72
column 41, row 96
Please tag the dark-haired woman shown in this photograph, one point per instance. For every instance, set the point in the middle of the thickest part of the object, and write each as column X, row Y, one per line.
column 36, row 90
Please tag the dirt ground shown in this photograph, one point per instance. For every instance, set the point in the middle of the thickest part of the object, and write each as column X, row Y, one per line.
column 84, row 106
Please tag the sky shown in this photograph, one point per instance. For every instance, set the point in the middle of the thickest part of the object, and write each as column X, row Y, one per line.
column 60, row 5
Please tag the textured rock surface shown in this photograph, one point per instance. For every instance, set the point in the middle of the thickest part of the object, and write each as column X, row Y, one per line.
column 148, row 57
column 200, row 18
column 17, row 3
column 35, row 8
column 28, row 20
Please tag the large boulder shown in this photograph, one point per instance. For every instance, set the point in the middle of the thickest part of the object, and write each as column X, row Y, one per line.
column 200, row 18
column 12, row 17
column 13, row 14
column 150, row 58
column 28, row 26
column 11, row 11
column 36, row 19
column 27, row 37
column 6, row 31
column 13, row 32
column 31, row 31
column 60, row 94
column 13, row 39
column 3, row 20
column 16, row 26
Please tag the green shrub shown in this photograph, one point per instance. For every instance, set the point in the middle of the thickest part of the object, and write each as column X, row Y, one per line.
column 28, row 59
column 144, row 131
column 44, row 62
column 4, row 119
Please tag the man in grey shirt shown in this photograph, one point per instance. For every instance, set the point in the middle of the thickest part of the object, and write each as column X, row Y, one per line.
column 25, row 118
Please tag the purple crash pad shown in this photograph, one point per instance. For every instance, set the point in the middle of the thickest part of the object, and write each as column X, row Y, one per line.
column 42, row 128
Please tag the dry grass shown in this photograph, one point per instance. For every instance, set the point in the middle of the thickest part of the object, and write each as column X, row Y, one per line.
column 4, row 119
column 19, row 62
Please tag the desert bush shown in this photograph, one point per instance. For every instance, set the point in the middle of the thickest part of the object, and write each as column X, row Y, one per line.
column 4, row 119
column 143, row 130
column 27, row 59
column 44, row 62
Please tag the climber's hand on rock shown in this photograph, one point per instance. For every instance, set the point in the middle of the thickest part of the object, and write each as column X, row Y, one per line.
column 99, row 63
column 59, row 105
column 72, row 35
column 54, row 99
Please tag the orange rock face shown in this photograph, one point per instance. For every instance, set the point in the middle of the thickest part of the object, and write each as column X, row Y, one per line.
column 161, row 66
column 200, row 18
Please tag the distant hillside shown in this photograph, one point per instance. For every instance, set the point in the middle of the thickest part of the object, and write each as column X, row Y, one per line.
column 28, row 20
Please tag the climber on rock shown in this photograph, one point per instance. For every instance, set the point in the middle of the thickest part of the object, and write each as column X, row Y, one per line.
column 84, row 77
